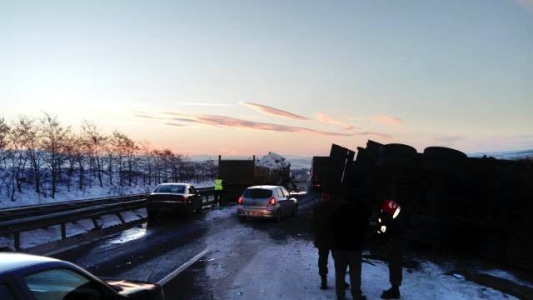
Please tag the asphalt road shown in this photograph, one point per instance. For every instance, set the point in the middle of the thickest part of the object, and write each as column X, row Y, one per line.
column 176, row 252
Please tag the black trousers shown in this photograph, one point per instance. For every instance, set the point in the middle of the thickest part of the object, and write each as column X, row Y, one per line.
column 218, row 196
column 323, row 254
column 395, row 251
column 351, row 260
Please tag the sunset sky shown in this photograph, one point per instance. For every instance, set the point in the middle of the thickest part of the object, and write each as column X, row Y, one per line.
column 245, row 77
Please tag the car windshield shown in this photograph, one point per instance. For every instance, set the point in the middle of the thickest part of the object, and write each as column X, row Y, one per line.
column 257, row 193
column 170, row 188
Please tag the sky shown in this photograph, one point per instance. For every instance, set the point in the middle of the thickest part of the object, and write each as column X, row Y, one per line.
column 241, row 77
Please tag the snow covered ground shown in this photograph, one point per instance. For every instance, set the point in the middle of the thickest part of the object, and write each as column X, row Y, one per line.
column 289, row 270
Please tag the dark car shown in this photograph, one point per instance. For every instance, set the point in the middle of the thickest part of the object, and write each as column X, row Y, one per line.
column 173, row 199
column 33, row 277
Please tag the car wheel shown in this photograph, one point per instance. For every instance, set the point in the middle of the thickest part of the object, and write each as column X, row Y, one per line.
column 200, row 207
column 277, row 216
column 189, row 212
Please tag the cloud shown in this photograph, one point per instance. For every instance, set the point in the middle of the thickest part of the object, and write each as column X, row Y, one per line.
column 323, row 118
column 146, row 116
column 525, row 3
column 204, row 104
column 274, row 111
column 387, row 120
column 175, row 119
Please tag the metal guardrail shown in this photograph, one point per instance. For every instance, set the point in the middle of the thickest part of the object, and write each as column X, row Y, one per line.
column 15, row 221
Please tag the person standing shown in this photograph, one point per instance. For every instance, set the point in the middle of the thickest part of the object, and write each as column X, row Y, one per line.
column 218, row 190
column 322, row 235
column 392, row 224
column 348, row 224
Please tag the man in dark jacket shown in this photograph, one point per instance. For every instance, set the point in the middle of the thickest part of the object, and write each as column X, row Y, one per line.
column 348, row 224
column 393, row 224
column 322, row 235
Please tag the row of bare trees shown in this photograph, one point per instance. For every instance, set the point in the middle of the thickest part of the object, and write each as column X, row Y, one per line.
column 42, row 154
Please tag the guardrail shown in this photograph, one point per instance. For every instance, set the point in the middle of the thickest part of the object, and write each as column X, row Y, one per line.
column 15, row 221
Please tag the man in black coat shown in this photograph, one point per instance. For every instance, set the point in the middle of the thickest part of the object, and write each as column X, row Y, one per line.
column 348, row 221
column 322, row 235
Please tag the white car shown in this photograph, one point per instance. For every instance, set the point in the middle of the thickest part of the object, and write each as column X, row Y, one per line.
column 266, row 201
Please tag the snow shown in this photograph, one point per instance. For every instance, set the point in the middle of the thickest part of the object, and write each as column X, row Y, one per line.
column 296, row 275
column 273, row 161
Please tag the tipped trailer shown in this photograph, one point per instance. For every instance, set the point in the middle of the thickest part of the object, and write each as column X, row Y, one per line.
column 474, row 205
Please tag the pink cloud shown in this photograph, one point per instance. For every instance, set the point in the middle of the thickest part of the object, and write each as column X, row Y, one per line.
column 387, row 120
column 274, row 111
column 176, row 119
column 525, row 3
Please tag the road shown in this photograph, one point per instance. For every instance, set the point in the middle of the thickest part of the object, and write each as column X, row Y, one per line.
column 220, row 247
column 214, row 256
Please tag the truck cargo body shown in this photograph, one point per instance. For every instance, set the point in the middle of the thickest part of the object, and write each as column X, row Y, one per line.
column 465, row 204
column 319, row 172
column 239, row 174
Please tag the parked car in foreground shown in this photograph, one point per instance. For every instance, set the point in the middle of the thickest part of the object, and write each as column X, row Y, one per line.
column 266, row 201
column 34, row 277
column 173, row 199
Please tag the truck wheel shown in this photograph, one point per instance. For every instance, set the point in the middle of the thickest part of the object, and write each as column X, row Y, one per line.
column 188, row 212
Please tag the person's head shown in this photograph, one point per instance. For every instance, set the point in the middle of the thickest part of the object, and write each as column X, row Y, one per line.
column 391, row 208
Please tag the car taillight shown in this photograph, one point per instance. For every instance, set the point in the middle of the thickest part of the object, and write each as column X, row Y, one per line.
column 240, row 201
column 180, row 198
column 272, row 201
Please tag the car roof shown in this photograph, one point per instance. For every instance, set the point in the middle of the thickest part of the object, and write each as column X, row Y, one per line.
column 264, row 187
column 10, row 261
column 175, row 183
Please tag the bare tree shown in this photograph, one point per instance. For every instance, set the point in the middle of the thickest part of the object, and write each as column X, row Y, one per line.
column 124, row 149
column 4, row 150
column 24, row 139
column 147, row 163
column 54, row 139
column 95, row 144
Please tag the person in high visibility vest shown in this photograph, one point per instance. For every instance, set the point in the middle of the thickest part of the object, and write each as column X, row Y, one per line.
column 218, row 190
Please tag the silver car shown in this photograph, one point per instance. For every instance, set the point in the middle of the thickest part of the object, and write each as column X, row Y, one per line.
column 266, row 201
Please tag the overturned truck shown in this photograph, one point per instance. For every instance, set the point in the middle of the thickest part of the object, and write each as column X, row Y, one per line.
column 480, row 206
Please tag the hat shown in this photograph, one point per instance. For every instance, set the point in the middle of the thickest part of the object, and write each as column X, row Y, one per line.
column 389, row 207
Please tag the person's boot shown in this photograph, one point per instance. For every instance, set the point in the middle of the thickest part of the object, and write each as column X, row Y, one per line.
column 323, row 283
column 392, row 293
